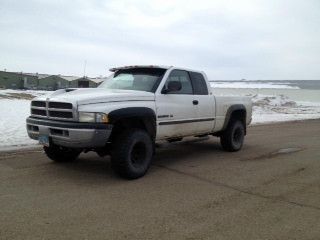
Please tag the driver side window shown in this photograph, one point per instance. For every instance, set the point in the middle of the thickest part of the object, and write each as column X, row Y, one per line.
column 183, row 78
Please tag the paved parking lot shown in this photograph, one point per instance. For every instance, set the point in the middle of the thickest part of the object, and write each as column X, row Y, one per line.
column 194, row 190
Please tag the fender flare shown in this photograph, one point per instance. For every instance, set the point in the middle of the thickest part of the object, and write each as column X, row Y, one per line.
column 129, row 112
column 147, row 115
column 230, row 110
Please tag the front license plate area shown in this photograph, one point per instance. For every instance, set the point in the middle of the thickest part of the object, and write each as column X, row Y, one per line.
column 44, row 140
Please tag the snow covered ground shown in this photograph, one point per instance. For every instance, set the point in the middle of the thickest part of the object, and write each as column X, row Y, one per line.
column 248, row 84
column 12, row 122
column 267, row 109
column 15, row 108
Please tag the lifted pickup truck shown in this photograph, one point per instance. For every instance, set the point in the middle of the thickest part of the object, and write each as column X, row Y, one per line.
column 136, row 107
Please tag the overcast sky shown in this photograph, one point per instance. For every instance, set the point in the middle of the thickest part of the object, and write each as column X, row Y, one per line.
column 269, row 39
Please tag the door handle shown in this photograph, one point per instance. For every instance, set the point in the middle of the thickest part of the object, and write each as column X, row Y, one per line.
column 195, row 102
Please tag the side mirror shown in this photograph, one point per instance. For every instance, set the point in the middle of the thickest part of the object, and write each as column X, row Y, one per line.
column 173, row 86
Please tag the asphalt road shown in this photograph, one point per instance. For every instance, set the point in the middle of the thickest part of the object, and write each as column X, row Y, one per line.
column 194, row 190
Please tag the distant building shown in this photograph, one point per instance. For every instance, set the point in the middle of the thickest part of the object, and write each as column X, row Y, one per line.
column 85, row 82
column 14, row 80
column 55, row 82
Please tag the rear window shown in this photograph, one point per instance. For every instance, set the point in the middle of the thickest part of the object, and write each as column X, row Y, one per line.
column 199, row 83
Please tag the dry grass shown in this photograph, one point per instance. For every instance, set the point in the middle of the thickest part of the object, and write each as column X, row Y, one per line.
column 25, row 96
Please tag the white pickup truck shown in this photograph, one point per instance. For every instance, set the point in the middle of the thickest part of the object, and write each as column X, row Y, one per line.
column 136, row 107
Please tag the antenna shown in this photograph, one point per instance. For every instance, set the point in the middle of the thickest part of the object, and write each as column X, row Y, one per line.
column 84, row 68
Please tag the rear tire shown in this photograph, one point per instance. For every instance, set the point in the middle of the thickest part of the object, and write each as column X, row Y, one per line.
column 61, row 154
column 232, row 138
column 132, row 153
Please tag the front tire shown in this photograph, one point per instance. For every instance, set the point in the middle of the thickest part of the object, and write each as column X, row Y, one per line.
column 132, row 153
column 61, row 154
column 232, row 138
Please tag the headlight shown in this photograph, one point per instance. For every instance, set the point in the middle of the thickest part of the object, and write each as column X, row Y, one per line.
column 87, row 117
column 93, row 117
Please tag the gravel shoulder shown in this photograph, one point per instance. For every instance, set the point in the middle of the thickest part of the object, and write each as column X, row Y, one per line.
column 194, row 190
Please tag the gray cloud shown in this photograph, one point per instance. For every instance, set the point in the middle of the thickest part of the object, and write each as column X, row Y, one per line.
column 228, row 39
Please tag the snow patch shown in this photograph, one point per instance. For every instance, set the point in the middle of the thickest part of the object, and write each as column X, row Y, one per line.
column 32, row 93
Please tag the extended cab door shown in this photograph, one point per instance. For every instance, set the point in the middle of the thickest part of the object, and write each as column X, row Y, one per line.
column 176, row 111
column 205, row 110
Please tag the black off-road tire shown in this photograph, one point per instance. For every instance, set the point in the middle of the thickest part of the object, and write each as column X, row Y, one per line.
column 61, row 154
column 233, row 137
column 131, row 154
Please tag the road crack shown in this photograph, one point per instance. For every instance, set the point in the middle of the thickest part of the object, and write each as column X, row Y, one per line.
column 243, row 191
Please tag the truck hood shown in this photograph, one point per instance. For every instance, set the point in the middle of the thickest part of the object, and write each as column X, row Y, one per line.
column 97, row 95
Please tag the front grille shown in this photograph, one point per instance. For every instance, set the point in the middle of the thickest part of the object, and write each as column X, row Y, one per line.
column 52, row 110
column 57, row 114
column 39, row 112
column 38, row 104
column 60, row 105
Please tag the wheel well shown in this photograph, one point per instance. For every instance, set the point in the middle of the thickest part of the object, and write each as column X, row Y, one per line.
column 235, row 112
column 144, row 123
column 240, row 114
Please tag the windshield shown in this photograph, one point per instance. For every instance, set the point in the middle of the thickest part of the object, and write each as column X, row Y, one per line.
column 139, row 79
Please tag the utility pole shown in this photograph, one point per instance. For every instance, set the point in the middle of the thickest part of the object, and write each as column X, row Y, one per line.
column 84, row 68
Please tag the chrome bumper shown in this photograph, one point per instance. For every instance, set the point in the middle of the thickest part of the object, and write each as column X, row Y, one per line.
column 70, row 134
